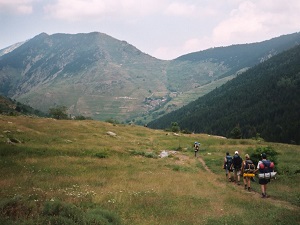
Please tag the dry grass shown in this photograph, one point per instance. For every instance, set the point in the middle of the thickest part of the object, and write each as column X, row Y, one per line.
column 57, row 160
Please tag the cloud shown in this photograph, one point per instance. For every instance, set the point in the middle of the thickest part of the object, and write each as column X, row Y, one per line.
column 190, row 45
column 257, row 20
column 73, row 10
column 180, row 9
column 16, row 6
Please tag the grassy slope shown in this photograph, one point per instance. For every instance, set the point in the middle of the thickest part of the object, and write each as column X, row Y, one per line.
column 57, row 160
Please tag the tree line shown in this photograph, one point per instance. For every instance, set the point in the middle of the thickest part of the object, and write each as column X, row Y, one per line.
column 264, row 101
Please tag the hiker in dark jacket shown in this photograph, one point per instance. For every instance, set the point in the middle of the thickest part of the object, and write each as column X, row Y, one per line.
column 237, row 166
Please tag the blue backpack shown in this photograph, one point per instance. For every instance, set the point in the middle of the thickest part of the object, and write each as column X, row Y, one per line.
column 228, row 161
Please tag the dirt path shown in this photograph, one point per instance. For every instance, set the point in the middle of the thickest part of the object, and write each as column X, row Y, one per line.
column 204, row 165
column 276, row 202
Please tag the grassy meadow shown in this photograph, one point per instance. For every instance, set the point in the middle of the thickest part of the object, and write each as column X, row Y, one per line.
column 73, row 172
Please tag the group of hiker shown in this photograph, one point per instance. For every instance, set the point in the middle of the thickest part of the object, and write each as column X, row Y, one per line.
column 236, row 167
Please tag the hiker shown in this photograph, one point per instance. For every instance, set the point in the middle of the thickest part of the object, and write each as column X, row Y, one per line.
column 265, row 167
column 227, row 166
column 236, row 166
column 196, row 147
column 248, row 171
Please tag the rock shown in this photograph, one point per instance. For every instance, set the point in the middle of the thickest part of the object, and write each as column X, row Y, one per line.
column 14, row 140
column 8, row 141
column 111, row 133
column 163, row 154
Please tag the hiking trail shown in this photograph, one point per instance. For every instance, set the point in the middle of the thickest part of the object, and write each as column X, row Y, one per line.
column 255, row 194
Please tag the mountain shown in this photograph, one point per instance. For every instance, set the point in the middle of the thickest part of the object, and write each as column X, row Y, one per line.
column 98, row 76
column 10, row 48
column 263, row 100
column 13, row 108
column 237, row 57
column 92, row 74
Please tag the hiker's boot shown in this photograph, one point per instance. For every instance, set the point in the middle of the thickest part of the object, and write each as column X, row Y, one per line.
column 263, row 195
column 245, row 186
column 249, row 189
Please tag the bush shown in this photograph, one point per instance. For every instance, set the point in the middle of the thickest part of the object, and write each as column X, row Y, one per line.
column 142, row 153
column 19, row 211
column 270, row 152
column 14, row 208
column 60, row 209
column 103, row 217
column 101, row 155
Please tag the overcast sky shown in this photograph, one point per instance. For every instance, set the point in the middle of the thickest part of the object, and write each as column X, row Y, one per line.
column 164, row 29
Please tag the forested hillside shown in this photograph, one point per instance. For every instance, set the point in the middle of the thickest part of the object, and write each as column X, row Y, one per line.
column 237, row 57
column 265, row 100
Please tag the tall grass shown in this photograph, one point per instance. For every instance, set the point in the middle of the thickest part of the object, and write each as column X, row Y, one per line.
column 76, row 167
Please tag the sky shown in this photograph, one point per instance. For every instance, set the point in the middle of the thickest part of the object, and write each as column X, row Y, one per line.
column 164, row 29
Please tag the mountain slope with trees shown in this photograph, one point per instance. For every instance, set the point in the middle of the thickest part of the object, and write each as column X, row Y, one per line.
column 13, row 108
column 100, row 77
column 237, row 57
column 264, row 100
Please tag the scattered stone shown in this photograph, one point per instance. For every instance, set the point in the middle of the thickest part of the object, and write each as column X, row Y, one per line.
column 8, row 141
column 15, row 140
column 111, row 133
column 163, row 154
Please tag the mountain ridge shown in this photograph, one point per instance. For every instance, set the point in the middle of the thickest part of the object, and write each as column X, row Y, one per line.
column 101, row 77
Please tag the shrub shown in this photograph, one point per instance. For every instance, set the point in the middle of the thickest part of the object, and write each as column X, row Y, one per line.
column 100, row 216
column 60, row 209
column 14, row 208
column 142, row 153
column 101, row 155
column 270, row 152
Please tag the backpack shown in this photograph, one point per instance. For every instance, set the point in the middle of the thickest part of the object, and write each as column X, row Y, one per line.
column 249, row 166
column 196, row 146
column 266, row 169
column 266, row 166
column 237, row 162
column 228, row 161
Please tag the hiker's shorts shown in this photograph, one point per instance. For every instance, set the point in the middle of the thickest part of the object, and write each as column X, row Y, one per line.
column 237, row 172
column 263, row 181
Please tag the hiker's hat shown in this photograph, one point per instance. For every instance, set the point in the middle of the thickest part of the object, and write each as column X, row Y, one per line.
column 263, row 155
column 247, row 156
column 236, row 152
